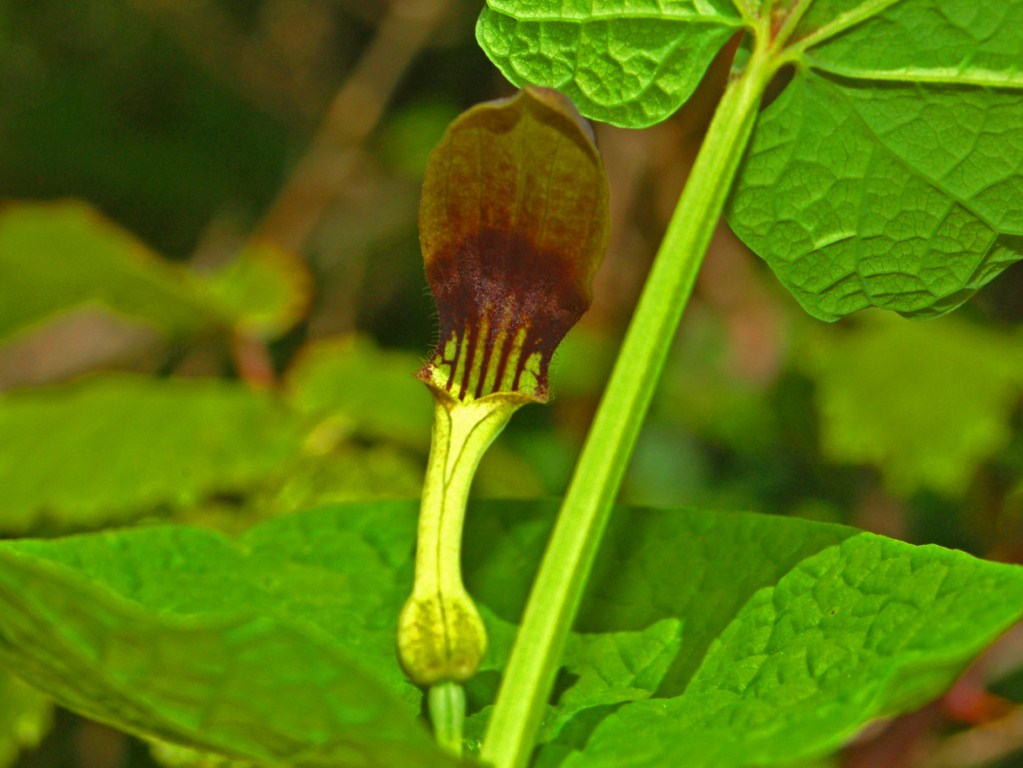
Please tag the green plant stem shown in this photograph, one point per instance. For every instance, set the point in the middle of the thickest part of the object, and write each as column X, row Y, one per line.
column 556, row 593
column 446, row 703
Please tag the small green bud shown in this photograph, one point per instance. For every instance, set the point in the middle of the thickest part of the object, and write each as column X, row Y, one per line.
column 441, row 638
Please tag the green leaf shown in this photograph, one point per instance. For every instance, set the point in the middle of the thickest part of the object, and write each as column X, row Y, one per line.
column 755, row 596
column 58, row 256
column 612, row 668
column 277, row 649
column 345, row 473
column 114, row 447
column 606, row 669
column 25, row 717
column 889, row 171
column 924, row 404
column 917, row 41
column 265, row 290
column 886, row 174
column 861, row 630
column 629, row 64
column 793, row 634
column 346, row 380
column 699, row 567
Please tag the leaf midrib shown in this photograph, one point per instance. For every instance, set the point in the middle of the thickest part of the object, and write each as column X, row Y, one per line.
column 801, row 49
column 923, row 76
column 581, row 19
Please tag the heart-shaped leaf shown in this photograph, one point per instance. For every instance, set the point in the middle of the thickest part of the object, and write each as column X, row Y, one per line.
column 889, row 172
column 631, row 64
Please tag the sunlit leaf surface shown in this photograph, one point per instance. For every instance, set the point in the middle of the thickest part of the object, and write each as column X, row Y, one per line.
column 889, row 172
column 733, row 639
column 631, row 64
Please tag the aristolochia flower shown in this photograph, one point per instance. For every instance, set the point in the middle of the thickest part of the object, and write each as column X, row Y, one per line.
column 513, row 224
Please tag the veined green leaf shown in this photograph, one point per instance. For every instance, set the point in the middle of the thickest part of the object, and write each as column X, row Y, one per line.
column 890, row 170
column 115, row 447
column 861, row 630
column 611, row 668
column 606, row 669
column 654, row 565
column 631, row 64
column 278, row 649
column 760, row 646
column 916, row 41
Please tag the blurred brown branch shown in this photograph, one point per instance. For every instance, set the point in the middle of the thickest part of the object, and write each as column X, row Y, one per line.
column 319, row 181
column 356, row 109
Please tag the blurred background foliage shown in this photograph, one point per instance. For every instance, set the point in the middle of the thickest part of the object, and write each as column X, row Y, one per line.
column 212, row 302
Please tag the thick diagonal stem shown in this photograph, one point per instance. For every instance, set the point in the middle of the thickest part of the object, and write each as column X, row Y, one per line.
column 556, row 593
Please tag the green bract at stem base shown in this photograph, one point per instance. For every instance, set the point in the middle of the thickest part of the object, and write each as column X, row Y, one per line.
column 558, row 588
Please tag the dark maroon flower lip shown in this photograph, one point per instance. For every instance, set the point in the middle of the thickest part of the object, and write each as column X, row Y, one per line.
column 513, row 222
